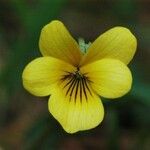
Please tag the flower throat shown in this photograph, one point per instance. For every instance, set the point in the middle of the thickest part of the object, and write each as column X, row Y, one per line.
column 76, row 84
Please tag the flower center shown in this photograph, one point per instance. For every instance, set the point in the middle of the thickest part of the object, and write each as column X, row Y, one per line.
column 76, row 85
column 78, row 74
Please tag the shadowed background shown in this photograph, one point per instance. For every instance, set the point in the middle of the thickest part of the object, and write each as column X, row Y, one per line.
column 25, row 122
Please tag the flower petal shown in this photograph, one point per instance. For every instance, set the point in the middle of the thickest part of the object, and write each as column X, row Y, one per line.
column 75, row 114
column 109, row 78
column 40, row 75
column 56, row 41
column 117, row 43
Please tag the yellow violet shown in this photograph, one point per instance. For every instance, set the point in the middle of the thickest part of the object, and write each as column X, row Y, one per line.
column 75, row 81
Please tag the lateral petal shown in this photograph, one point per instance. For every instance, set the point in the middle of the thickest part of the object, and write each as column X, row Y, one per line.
column 109, row 78
column 40, row 75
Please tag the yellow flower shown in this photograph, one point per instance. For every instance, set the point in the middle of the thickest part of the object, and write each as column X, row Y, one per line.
column 75, row 81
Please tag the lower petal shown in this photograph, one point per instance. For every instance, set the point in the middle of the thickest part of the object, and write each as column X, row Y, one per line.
column 76, row 115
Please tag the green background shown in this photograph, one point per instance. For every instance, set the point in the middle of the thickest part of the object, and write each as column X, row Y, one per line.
column 25, row 122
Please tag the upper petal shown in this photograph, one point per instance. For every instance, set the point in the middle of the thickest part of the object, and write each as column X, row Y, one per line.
column 75, row 114
column 40, row 75
column 56, row 41
column 109, row 78
column 118, row 43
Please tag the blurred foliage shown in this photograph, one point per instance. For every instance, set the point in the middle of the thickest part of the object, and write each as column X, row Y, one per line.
column 127, row 121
